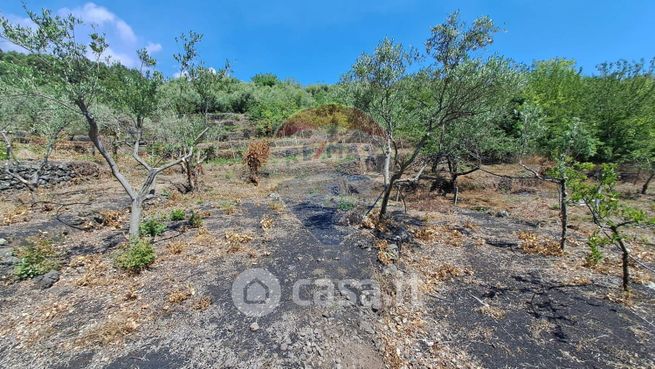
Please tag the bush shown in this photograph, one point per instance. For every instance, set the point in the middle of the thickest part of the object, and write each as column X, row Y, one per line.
column 345, row 205
column 152, row 227
column 255, row 158
column 177, row 214
column 137, row 256
column 36, row 260
column 195, row 221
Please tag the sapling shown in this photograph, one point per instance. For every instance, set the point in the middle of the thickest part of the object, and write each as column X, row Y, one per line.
column 608, row 213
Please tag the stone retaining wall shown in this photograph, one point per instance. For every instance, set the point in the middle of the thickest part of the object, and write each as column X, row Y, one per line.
column 54, row 173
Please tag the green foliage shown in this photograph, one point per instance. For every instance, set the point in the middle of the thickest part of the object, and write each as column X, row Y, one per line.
column 195, row 220
column 177, row 214
column 136, row 256
column 332, row 118
column 345, row 205
column 609, row 214
column 596, row 242
column 36, row 259
column 151, row 227
column 265, row 79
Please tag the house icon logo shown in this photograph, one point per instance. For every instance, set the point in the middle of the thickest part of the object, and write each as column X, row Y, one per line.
column 256, row 292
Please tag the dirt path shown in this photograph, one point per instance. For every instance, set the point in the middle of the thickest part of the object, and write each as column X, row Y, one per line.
column 309, row 245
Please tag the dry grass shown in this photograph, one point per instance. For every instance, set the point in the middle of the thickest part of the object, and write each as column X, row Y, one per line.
column 266, row 223
column 202, row 303
column 14, row 213
column 276, row 206
column 531, row 243
column 449, row 272
column 176, row 248
column 180, row 295
column 492, row 311
column 234, row 237
column 441, row 234
column 384, row 256
column 95, row 271
column 112, row 218
column 112, row 331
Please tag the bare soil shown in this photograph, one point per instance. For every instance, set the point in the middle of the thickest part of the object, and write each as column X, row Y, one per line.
column 488, row 297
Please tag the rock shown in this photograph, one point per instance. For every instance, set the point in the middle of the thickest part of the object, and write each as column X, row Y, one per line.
column 502, row 214
column 284, row 347
column 254, row 327
column 366, row 327
column 275, row 196
column 3, row 242
column 392, row 249
column 390, row 269
column 48, row 279
column 7, row 257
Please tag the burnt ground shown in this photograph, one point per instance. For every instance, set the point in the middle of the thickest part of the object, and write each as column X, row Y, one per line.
column 483, row 301
column 489, row 304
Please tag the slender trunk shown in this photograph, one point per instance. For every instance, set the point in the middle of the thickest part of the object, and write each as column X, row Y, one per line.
column 455, row 190
column 563, row 212
column 387, row 194
column 625, row 257
column 8, row 146
column 387, row 161
column 189, row 175
column 644, row 188
column 135, row 217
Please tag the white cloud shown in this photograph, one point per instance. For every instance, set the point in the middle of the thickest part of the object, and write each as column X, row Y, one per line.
column 153, row 47
column 93, row 13
column 110, row 56
column 125, row 31
column 120, row 35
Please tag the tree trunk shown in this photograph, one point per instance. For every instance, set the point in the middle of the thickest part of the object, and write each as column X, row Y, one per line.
column 135, row 217
column 189, row 169
column 563, row 212
column 387, row 194
column 625, row 257
column 453, row 185
column 387, row 162
column 644, row 188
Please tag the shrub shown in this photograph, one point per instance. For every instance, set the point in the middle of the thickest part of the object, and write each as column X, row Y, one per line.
column 255, row 158
column 151, row 227
column 195, row 220
column 177, row 214
column 345, row 205
column 36, row 259
column 137, row 256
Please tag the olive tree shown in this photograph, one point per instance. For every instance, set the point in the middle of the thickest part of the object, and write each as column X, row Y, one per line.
column 195, row 77
column 74, row 84
column 375, row 84
column 609, row 214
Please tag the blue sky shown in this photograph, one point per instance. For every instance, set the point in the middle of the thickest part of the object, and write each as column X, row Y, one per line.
column 317, row 41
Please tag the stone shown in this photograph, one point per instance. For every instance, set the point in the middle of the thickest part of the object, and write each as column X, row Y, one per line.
column 502, row 214
column 392, row 249
column 391, row 269
column 3, row 242
column 284, row 347
column 366, row 327
column 275, row 196
column 254, row 327
column 48, row 279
